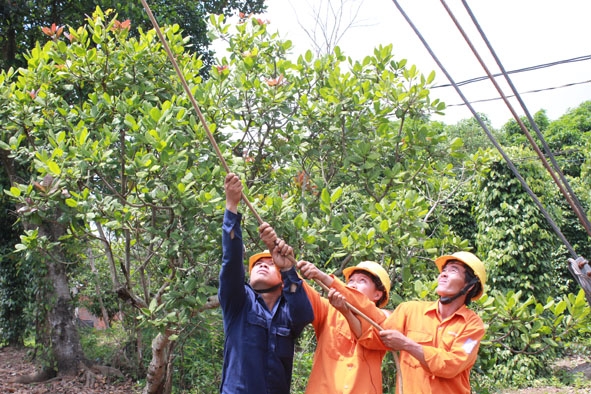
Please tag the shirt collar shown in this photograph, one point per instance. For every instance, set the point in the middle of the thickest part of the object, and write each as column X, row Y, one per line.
column 434, row 309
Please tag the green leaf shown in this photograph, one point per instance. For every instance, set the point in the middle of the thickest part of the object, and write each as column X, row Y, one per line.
column 336, row 195
column 325, row 197
column 15, row 191
column 54, row 168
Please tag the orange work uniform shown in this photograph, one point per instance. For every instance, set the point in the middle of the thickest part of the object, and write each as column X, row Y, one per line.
column 341, row 365
column 450, row 346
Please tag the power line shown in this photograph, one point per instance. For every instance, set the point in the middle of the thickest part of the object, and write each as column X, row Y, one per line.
column 554, row 170
column 519, row 70
column 527, row 92
column 488, row 133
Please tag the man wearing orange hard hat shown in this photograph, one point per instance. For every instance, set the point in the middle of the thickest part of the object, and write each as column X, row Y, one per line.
column 262, row 318
column 438, row 340
column 341, row 365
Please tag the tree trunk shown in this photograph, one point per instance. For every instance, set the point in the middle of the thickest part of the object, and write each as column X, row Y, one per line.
column 155, row 380
column 158, row 379
column 97, row 288
column 65, row 340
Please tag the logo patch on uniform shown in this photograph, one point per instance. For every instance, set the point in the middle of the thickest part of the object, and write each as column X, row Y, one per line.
column 469, row 345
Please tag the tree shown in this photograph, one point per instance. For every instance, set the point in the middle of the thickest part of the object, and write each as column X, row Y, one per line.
column 122, row 163
column 471, row 133
column 87, row 150
column 21, row 21
column 513, row 135
column 566, row 138
column 356, row 145
column 331, row 21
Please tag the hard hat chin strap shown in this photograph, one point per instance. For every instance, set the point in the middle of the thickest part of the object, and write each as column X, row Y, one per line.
column 447, row 300
column 270, row 289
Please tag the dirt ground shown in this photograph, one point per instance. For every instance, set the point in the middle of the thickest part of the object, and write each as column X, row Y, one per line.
column 14, row 363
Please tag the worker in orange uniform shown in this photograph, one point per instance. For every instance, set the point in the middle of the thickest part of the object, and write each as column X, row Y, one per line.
column 438, row 340
column 340, row 364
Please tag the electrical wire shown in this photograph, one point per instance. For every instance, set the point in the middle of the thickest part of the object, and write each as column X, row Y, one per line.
column 554, row 173
column 517, row 71
column 558, row 175
column 513, row 95
column 488, row 133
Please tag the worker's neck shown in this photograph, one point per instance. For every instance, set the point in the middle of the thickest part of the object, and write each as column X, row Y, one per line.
column 446, row 310
column 271, row 298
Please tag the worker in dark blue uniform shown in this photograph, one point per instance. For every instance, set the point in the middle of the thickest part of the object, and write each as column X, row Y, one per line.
column 262, row 318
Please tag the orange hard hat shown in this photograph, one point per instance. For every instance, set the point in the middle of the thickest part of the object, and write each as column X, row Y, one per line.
column 471, row 261
column 374, row 269
column 256, row 257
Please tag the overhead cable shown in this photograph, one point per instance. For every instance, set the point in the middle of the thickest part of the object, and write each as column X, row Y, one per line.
column 554, row 172
column 512, row 95
column 561, row 181
column 517, row 71
column 488, row 133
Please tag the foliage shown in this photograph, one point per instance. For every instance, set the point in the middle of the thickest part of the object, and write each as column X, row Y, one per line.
column 513, row 135
column 13, row 281
column 472, row 134
column 103, row 345
column 523, row 337
column 116, row 158
column 303, row 360
column 513, row 236
column 22, row 21
column 338, row 155
column 565, row 137
column 346, row 145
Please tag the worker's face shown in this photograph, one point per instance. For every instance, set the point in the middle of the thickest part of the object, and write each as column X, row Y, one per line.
column 364, row 284
column 451, row 280
column 264, row 274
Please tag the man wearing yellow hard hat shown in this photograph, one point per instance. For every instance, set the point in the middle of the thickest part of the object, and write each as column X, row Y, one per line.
column 262, row 318
column 340, row 364
column 438, row 340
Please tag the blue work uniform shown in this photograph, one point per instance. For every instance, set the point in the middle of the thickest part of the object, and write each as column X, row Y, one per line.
column 259, row 343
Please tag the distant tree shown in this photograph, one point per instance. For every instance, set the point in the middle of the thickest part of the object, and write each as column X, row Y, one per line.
column 513, row 135
column 566, row 138
column 331, row 20
column 471, row 133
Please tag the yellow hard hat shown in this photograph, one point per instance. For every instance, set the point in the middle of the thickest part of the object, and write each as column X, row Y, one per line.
column 471, row 261
column 256, row 257
column 376, row 270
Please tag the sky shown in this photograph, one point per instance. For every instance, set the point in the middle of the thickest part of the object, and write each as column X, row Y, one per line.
column 523, row 33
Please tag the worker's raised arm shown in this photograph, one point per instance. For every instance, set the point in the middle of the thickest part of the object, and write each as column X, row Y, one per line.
column 310, row 271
